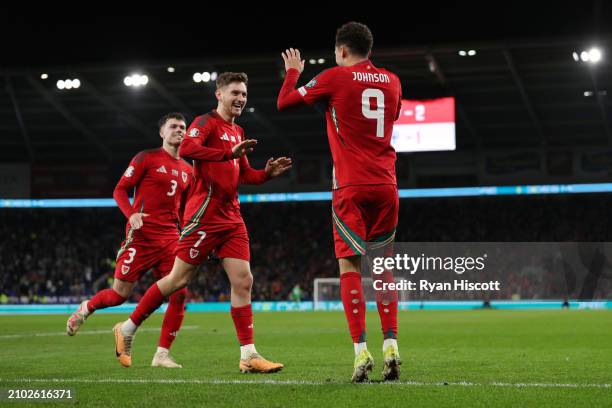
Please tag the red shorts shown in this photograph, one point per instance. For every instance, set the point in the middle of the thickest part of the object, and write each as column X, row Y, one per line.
column 137, row 256
column 226, row 240
column 363, row 214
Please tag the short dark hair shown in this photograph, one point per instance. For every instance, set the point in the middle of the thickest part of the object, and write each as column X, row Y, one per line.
column 357, row 37
column 168, row 116
column 227, row 78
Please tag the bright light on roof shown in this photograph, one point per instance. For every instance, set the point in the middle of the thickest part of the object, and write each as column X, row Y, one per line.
column 44, row 76
column 462, row 53
column 471, row 53
column 321, row 61
column 205, row 76
column 60, row 84
column 575, row 56
column 594, row 55
column 197, row 77
column 76, row 83
column 171, row 69
column 68, row 84
column 588, row 93
column 213, row 76
column 584, row 56
column 251, row 110
column 136, row 80
column 312, row 61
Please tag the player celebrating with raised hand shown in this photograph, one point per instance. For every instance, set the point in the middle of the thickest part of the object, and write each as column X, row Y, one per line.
column 213, row 222
column 161, row 179
column 362, row 101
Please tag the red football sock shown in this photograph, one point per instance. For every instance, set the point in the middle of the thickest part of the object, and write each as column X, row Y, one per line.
column 151, row 300
column 103, row 299
column 386, row 303
column 173, row 318
column 243, row 321
column 354, row 305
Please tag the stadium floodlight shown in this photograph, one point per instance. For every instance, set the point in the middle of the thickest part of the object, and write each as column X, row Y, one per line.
column 68, row 84
column 44, row 76
column 321, row 61
column 471, row 53
column 205, row 76
column 462, row 53
column 251, row 110
column 170, row 69
column 594, row 55
column 213, row 76
column 588, row 93
column 136, row 80
column 197, row 77
column 584, row 56
column 312, row 61
column 60, row 84
column 76, row 83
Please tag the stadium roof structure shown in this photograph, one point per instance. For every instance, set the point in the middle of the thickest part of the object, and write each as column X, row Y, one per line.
column 520, row 93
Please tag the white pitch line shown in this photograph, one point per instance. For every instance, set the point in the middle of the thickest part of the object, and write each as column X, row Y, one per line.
column 83, row 333
column 294, row 382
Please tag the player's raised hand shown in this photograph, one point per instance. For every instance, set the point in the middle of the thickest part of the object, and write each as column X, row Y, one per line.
column 293, row 59
column 136, row 220
column 244, row 147
column 277, row 167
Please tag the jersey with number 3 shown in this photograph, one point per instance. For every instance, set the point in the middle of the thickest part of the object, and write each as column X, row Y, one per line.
column 362, row 101
column 159, row 180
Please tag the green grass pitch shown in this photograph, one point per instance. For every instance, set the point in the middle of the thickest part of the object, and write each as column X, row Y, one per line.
column 487, row 358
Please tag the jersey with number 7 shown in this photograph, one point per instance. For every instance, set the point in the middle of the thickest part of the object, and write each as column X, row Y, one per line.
column 362, row 102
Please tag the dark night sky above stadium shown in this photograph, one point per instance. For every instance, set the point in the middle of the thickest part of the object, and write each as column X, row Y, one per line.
column 37, row 42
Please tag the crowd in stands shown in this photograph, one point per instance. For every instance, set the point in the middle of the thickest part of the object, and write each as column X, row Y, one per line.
column 64, row 255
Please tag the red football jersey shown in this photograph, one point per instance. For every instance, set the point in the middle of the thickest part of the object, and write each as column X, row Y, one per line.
column 362, row 101
column 213, row 198
column 160, row 181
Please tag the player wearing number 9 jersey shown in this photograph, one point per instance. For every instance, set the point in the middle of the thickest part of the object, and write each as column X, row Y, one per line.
column 361, row 101
column 161, row 180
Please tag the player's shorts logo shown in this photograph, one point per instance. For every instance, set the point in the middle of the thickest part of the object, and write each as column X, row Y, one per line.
column 129, row 172
column 125, row 269
column 193, row 253
column 194, row 132
column 184, row 176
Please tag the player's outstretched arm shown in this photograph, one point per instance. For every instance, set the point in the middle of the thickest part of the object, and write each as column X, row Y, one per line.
column 193, row 150
column 274, row 168
column 294, row 65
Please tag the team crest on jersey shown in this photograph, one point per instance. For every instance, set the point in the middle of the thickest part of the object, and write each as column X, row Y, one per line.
column 184, row 175
column 125, row 269
column 129, row 172
column 193, row 253
column 194, row 132
column 312, row 83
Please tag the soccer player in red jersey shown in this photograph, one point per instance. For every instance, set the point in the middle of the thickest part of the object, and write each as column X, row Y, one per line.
column 161, row 179
column 362, row 102
column 213, row 222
